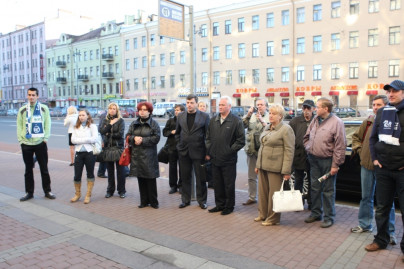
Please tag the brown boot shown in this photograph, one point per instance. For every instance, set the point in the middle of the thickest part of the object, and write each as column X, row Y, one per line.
column 77, row 196
column 90, row 185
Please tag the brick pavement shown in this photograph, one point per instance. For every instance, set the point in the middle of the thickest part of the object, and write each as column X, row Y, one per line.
column 188, row 238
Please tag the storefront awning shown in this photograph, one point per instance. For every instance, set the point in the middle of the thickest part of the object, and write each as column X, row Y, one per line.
column 237, row 95
column 300, row 93
column 372, row 92
column 284, row 94
column 335, row 93
column 255, row 94
column 352, row 92
column 318, row 93
column 269, row 94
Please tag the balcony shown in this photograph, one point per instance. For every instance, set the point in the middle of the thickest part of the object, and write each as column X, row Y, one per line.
column 82, row 77
column 108, row 57
column 108, row 75
column 61, row 64
column 61, row 80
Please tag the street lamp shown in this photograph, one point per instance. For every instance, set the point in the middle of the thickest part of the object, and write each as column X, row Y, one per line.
column 77, row 53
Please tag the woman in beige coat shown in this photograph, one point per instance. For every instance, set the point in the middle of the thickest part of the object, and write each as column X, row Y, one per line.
column 274, row 163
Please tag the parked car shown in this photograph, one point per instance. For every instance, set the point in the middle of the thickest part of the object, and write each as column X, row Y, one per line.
column 289, row 113
column 132, row 112
column 344, row 112
column 12, row 112
column 100, row 112
column 239, row 111
column 3, row 112
column 55, row 112
column 124, row 113
column 93, row 111
column 160, row 108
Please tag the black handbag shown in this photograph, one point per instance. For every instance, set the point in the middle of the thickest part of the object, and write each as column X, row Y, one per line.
column 162, row 156
column 111, row 153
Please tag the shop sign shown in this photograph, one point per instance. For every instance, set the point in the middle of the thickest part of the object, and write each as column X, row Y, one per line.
column 308, row 88
column 344, row 87
column 277, row 89
column 374, row 86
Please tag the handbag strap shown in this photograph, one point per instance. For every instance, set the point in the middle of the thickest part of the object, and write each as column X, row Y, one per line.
column 292, row 187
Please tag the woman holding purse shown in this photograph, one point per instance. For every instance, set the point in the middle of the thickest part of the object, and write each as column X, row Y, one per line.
column 274, row 163
column 112, row 129
column 70, row 121
column 84, row 135
column 144, row 135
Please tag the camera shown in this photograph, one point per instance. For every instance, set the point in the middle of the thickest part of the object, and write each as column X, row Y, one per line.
column 255, row 109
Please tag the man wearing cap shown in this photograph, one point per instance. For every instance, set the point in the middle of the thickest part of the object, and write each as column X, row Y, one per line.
column 300, row 163
column 387, row 151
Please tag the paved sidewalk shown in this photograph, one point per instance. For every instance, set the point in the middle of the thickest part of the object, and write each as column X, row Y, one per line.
column 115, row 233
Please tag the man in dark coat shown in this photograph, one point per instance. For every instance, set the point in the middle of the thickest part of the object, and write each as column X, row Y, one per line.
column 169, row 132
column 190, row 137
column 300, row 163
column 225, row 137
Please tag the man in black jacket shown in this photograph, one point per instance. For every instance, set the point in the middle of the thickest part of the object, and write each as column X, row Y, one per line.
column 225, row 137
column 169, row 132
column 190, row 137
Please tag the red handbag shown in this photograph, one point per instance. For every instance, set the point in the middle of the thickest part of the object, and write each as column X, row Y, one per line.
column 125, row 156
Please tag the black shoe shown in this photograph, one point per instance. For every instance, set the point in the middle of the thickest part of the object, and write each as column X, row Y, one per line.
column 71, row 164
column 215, row 209
column 203, row 206
column 122, row 195
column 50, row 195
column 26, row 197
column 107, row 195
column 311, row 219
column 142, row 205
column 182, row 205
column 155, row 206
column 172, row 190
column 226, row 211
column 102, row 176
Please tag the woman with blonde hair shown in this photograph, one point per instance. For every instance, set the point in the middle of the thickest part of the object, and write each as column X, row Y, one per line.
column 112, row 129
column 274, row 163
column 70, row 121
column 84, row 135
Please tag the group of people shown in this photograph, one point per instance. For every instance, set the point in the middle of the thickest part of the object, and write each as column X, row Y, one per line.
column 310, row 145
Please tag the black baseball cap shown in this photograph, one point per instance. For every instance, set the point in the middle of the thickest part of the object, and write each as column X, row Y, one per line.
column 308, row 103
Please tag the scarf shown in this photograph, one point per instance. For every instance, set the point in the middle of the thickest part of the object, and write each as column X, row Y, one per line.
column 389, row 128
column 34, row 123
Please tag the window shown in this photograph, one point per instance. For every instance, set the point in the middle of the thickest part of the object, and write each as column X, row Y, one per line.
column 162, row 59
column 317, row 70
column 204, row 80
column 353, row 70
column 144, row 83
column 227, row 27
column 317, row 43
column 153, row 61
column 204, row 56
column 372, row 69
column 229, row 51
column 285, row 46
column 353, row 39
column 153, row 39
column 172, row 81
column 216, row 78
column 182, row 80
column 241, row 24
column 162, row 40
column 117, row 68
column 300, row 73
column 255, row 50
column 241, row 50
column 255, row 22
column 395, row 4
column 127, row 65
column 127, row 44
column 256, row 76
column 270, row 20
column 204, row 30
column 394, row 35
column 394, row 66
column 285, row 74
column 216, row 53
column 373, row 6
column 270, row 75
column 144, row 62
column 215, row 28
column 270, row 48
column 135, row 63
column 143, row 41
column 317, row 12
column 135, row 43
column 336, row 9
column 300, row 16
column 300, row 45
column 153, row 82
column 335, row 41
column 285, row 17
column 229, row 77
column 136, row 84
column 335, row 71
column 172, row 57
column 353, row 7
column 162, row 82
column 182, row 57
column 241, row 76
column 373, row 37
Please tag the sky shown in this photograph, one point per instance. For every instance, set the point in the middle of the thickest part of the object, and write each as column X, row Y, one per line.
column 28, row 12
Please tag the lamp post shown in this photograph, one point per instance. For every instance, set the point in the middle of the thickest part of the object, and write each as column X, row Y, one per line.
column 75, row 54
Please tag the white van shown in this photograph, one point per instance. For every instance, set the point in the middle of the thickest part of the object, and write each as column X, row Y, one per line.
column 160, row 108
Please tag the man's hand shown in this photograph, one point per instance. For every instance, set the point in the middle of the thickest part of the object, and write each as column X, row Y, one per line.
column 334, row 170
column 376, row 163
column 173, row 132
column 256, row 170
column 286, row 177
column 250, row 111
column 207, row 157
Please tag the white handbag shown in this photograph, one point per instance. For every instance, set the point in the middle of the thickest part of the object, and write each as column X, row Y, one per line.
column 97, row 146
column 286, row 201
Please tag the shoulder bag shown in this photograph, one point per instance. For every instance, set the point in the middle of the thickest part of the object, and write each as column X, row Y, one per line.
column 112, row 153
column 125, row 157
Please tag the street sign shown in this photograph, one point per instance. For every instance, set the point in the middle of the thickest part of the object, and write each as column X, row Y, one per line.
column 171, row 19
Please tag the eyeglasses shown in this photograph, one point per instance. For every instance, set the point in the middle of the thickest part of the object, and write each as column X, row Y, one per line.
column 307, row 107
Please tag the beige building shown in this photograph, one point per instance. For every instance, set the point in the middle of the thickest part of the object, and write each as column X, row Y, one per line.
column 286, row 51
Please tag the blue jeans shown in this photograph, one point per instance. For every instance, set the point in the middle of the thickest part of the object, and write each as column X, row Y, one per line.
column 368, row 183
column 322, row 193
column 389, row 183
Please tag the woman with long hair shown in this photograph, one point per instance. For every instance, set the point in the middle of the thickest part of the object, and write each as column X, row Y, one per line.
column 112, row 129
column 144, row 135
column 70, row 121
column 84, row 135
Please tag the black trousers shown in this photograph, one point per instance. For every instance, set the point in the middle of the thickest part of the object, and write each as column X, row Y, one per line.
column 224, row 180
column 148, row 191
column 186, row 165
column 173, row 171
column 82, row 159
column 102, row 167
column 120, row 175
column 41, row 153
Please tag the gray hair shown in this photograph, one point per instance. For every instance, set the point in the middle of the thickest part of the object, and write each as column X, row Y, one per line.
column 227, row 98
column 263, row 99
column 382, row 97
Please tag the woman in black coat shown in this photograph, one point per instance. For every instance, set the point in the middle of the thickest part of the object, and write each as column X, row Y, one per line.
column 112, row 129
column 144, row 135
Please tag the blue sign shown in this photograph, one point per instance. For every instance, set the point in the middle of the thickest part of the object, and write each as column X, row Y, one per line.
column 170, row 11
